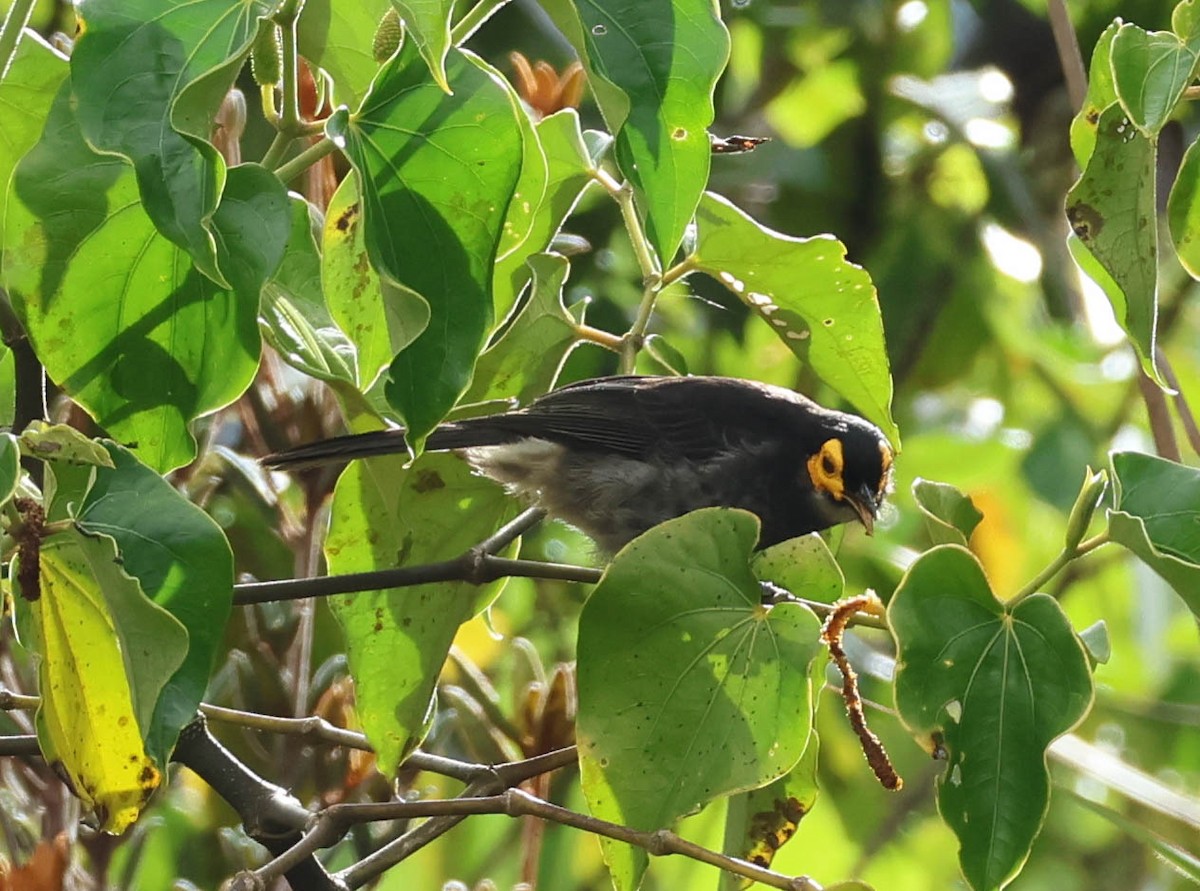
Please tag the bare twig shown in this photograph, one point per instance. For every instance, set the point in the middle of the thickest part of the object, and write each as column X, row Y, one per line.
column 1160, row 418
column 1186, row 418
column 1069, row 55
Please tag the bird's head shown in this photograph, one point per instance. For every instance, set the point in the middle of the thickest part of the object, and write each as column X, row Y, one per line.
column 852, row 469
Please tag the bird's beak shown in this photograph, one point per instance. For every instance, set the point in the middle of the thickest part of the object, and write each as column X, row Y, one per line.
column 866, row 506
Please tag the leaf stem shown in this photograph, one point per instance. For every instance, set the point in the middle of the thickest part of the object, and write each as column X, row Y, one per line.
column 1057, row 564
column 311, row 155
column 10, row 32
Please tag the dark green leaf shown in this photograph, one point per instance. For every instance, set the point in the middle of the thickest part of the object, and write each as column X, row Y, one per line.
column 1000, row 684
column 1157, row 516
column 1112, row 214
column 653, row 65
column 524, row 363
column 824, row 309
column 689, row 688
column 670, row 359
column 132, row 69
column 296, row 322
column 950, row 516
column 437, row 173
column 386, row 515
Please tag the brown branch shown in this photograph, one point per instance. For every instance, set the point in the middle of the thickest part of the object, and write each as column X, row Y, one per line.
column 1186, row 418
column 1160, row 418
column 1069, row 56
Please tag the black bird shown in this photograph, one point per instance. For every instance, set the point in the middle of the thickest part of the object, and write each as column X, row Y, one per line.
column 616, row 455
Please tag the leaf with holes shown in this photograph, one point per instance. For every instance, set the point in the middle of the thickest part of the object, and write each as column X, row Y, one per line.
column 999, row 683
column 824, row 309
column 653, row 66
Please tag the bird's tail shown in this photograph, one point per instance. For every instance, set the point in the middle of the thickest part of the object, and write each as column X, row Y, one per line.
column 455, row 435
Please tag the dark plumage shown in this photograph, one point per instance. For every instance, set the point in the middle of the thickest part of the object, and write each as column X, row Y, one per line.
column 615, row 456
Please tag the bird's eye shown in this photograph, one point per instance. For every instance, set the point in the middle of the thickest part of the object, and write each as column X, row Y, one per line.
column 825, row 469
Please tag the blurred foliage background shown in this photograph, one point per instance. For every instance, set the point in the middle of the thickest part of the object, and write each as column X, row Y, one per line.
column 930, row 136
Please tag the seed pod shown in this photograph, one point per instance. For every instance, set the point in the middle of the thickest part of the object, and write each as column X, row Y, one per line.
column 387, row 36
column 266, row 55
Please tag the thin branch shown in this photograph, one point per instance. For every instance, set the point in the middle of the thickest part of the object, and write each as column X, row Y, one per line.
column 20, row 746
column 311, row 155
column 311, row 728
column 1067, row 555
column 1186, row 418
column 472, row 567
column 518, row 803
column 14, row 702
column 1069, row 56
column 1160, row 417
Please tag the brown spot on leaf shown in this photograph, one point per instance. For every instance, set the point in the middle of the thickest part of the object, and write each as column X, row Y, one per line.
column 346, row 218
column 1086, row 222
column 428, row 481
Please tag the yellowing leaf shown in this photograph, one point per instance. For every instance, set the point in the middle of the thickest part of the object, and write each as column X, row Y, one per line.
column 95, row 630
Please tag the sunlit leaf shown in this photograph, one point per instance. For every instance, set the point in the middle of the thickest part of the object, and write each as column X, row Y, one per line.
column 999, row 683
column 689, row 688
column 1183, row 211
column 118, row 314
column 1157, row 516
column 105, row 653
column 525, row 362
column 60, row 442
column 296, row 321
column 436, row 174
column 804, row 566
column 653, row 66
column 132, row 69
column 336, row 36
column 1101, row 93
column 1150, row 70
column 384, row 516
column 1112, row 214
column 427, row 24
column 824, row 309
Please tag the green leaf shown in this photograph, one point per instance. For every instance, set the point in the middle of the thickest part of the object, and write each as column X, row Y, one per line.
column 436, row 173
column 950, row 516
column 386, row 515
column 427, row 23
column 8, row 385
column 105, row 652
column 118, row 315
column 525, row 362
column 296, row 321
column 59, row 442
column 1183, row 211
column 26, row 93
column 1150, row 70
column 665, row 356
column 132, row 68
column 1157, row 516
column 689, row 688
column 1000, row 684
column 336, row 37
column 652, row 66
column 824, row 309
column 10, row 466
column 804, row 566
column 568, row 165
column 380, row 318
column 183, row 563
column 1101, row 94
column 1112, row 213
